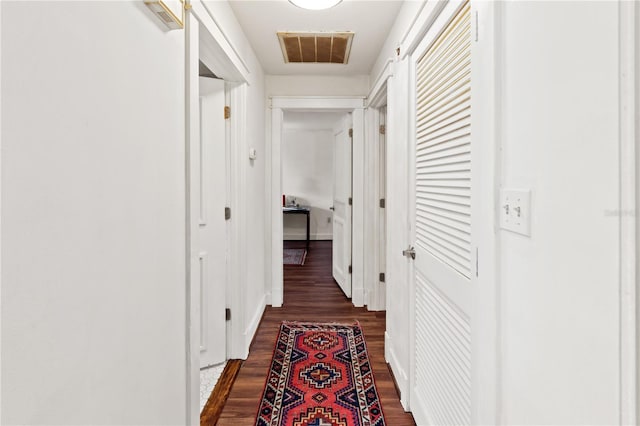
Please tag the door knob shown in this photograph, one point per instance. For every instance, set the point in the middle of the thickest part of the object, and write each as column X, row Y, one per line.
column 331, row 208
column 410, row 252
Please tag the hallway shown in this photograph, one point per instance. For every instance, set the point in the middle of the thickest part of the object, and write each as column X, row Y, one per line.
column 493, row 152
column 310, row 294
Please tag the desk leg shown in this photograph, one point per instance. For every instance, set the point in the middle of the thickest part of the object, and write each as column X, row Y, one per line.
column 308, row 220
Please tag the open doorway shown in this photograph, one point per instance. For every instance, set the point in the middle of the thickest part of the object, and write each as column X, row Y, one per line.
column 351, row 194
column 307, row 174
column 316, row 182
column 213, row 84
column 208, row 198
column 208, row 178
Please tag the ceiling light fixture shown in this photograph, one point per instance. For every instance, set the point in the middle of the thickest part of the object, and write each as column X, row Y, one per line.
column 315, row 4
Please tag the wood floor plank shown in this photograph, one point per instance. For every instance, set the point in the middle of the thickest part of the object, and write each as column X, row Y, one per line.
column 310, row 294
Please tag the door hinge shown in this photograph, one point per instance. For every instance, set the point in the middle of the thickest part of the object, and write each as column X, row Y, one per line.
column 227, row 314
column 382, row 203
column 227, row 112
column 477, row 253
column 383, row 129
column 350, row 201
column 350, row 133
column 381, row 277
column 227, row 213
column 350, row 269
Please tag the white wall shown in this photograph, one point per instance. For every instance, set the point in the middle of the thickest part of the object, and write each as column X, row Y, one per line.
column 560, row 287
column 403, row 23
column 93, row 247
column 316, row 85
column 255, row 206
column 307, row 171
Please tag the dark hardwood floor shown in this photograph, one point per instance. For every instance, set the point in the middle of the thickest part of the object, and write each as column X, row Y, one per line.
column 310, row 294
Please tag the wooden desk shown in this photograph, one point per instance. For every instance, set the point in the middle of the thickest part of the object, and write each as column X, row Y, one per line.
column 299, row 210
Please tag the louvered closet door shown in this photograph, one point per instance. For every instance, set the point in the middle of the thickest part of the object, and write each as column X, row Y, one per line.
column 441, row 386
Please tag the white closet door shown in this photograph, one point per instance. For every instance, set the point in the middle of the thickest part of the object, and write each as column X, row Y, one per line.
column 441, row 391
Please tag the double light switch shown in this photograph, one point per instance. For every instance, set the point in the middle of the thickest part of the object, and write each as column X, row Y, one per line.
column 515, row 210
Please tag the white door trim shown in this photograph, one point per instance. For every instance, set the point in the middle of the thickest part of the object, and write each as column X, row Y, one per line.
column 486, row 124
column 629, row 33
column 192, row 290
column 279, row 104
column 378, row 93
column 275, row 218
column 221, row 57
column 0, row 209
column 374, row 297
column 371, row 235
column 201, row 31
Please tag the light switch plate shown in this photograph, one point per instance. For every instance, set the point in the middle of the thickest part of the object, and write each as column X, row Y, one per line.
column 515, row 210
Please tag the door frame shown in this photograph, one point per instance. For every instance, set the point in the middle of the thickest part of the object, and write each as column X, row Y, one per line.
column 375, row 295
column 629, row 98
column 1, row 233
column 274, row 275
column 206, row 41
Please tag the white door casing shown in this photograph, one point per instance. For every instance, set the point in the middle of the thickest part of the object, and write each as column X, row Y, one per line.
column 355, row 106
column 193, row 317
column 375, row 176
column 210, row 191
column 441, row 388
column 629, row 61
column 342, row 189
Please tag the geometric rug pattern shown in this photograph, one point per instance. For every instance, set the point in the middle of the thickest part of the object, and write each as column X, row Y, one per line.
column 320, row 375
column 294, row 256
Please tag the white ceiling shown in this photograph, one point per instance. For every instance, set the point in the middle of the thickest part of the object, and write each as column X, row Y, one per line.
column 370, row 20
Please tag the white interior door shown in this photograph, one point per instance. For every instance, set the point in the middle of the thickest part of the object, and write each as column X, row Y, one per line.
column 342, row 210
column 209, row 189
column 441, row 390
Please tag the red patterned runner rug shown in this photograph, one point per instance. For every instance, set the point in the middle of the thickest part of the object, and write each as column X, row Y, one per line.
column 320, row 375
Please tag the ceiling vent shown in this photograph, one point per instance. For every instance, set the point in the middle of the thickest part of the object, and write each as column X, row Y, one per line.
column 316, row 47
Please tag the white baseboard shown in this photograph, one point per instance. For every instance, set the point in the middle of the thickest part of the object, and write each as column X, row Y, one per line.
column 301, row 237
column 253, row 325
column 420, row 416
column 398, row 372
